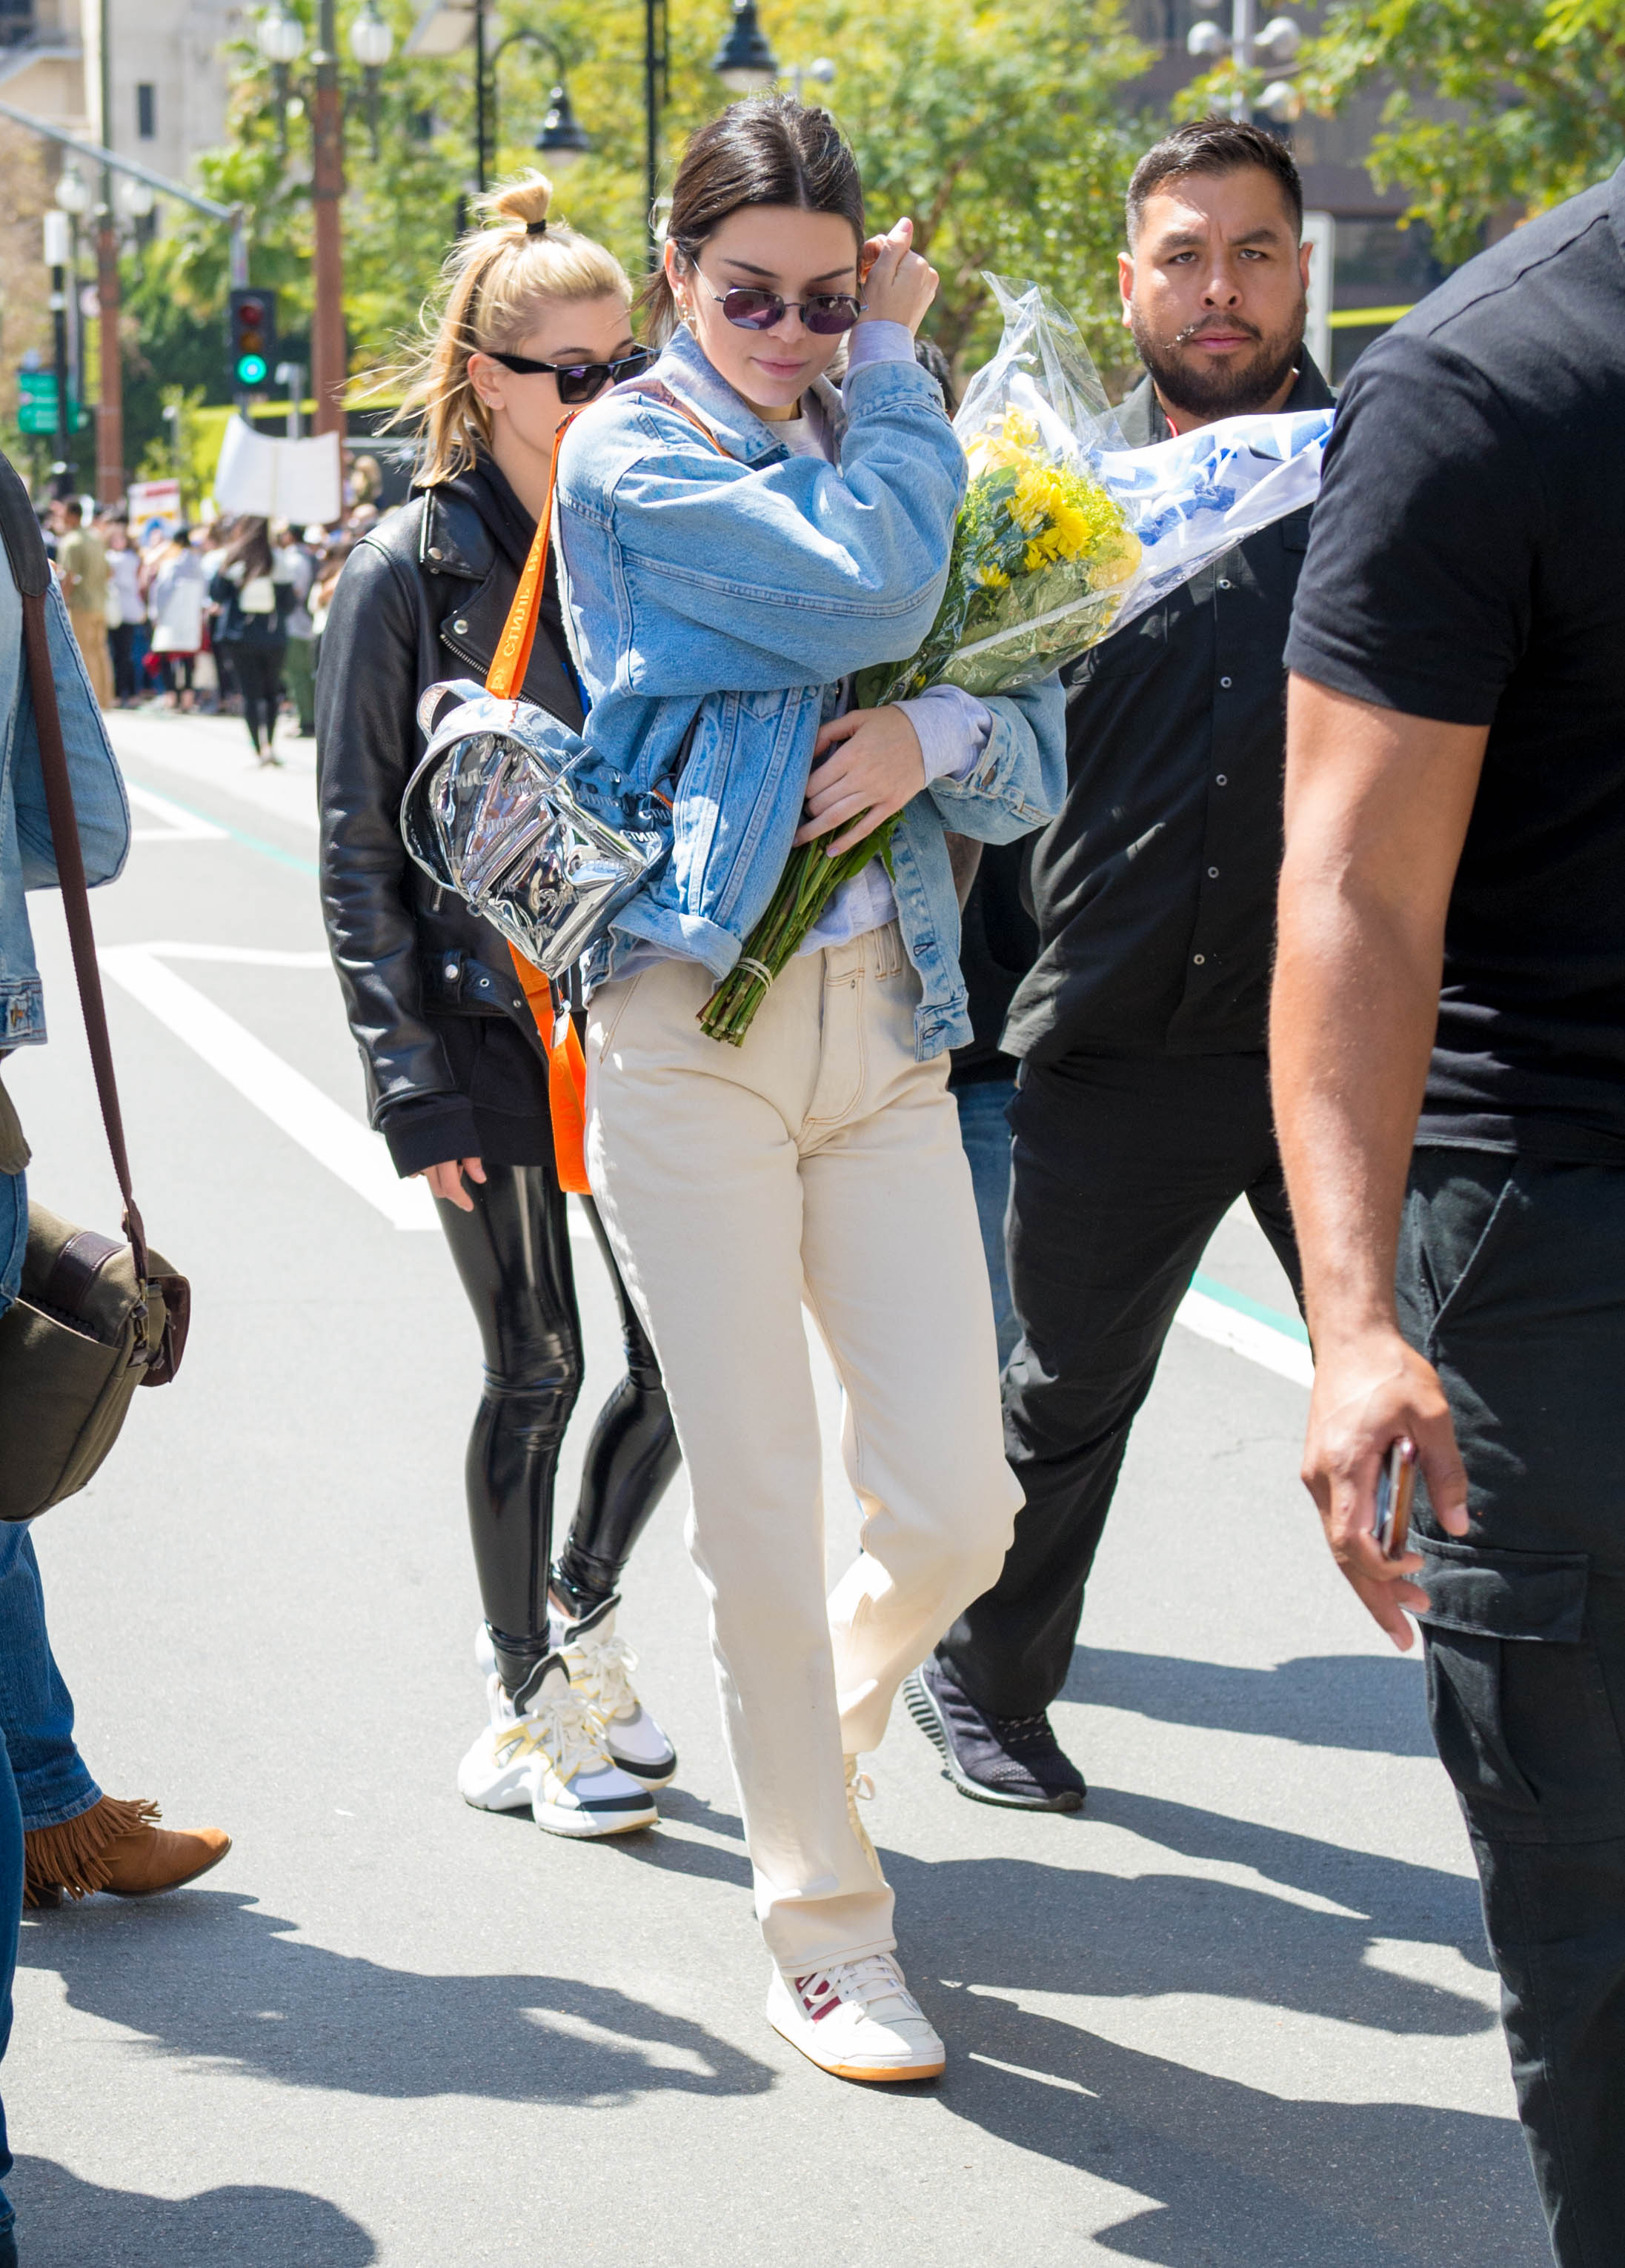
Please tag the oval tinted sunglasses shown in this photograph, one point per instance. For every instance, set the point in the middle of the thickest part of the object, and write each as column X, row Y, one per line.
column 580, row 381
column 824, row 314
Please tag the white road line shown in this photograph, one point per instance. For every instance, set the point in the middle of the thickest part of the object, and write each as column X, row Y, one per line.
column 247, row 956
column 341, row 1144
column 1245, row 1335
column 216, row 758
column 179, row 825
column 1044, row 2077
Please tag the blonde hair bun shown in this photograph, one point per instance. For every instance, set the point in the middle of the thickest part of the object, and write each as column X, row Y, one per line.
column 524, row 202
column 497, row 282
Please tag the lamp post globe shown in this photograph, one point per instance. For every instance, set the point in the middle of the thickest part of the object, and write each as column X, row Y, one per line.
column 1205, row 41
column 563, row 140
column 280, row 37
column 73, row 193
column 744, row 63
column 371, row 42
column 1279, row 40
column 135, row 199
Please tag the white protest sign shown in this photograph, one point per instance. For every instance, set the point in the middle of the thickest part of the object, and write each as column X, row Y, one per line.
column 298, row 481
column 150, row 500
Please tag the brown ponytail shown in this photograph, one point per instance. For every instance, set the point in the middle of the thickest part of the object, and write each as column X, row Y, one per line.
column 494, row 283
column 766, row 152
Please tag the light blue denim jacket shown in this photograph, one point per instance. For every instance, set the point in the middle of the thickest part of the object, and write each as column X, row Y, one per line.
column 27, row 859
column 747, row 586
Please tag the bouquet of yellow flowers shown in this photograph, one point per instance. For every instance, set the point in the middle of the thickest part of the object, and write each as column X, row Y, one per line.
column 1063, row 535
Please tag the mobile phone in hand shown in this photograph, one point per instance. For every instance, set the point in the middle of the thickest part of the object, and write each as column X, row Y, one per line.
column 1396, row 1484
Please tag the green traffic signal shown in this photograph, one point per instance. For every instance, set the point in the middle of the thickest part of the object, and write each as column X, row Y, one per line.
column 251, row 370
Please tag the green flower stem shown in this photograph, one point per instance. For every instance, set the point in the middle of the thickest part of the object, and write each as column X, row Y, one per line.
column 810, row 879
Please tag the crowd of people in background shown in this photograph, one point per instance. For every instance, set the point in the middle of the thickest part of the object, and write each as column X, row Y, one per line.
column 224, row 617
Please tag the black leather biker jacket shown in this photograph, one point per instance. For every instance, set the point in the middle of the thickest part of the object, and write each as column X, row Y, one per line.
column 423, row 596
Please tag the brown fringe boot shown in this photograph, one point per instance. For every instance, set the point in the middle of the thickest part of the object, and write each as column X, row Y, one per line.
column 118, row 1847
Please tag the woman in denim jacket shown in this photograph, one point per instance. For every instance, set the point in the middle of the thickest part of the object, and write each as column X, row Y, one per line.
column 739, row 538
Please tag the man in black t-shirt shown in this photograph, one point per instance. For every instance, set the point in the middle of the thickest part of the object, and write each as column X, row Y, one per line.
column 1142, row 1110
column 1455, row 888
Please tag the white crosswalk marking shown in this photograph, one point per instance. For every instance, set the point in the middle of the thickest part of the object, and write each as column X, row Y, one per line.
column 291, row 1101
column 178, row 824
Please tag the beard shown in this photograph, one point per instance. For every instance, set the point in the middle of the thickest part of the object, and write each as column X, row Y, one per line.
column 1203, row 388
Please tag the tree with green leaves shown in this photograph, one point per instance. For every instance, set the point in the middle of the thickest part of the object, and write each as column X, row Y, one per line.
column 1497, row 105
column 1001, row 128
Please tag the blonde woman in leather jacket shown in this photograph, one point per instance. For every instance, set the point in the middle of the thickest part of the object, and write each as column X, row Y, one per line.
column 456, row 1079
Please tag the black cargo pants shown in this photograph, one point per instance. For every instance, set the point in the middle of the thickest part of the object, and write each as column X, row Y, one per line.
column 1511, row 1281
column 1122, row 1168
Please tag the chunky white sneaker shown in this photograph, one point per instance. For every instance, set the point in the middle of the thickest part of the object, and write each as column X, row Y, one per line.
column 551, row 1754
column 601, row 1666
column 856, row 2019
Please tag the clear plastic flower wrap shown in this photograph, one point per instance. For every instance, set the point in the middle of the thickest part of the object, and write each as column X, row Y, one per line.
column 1065, row 534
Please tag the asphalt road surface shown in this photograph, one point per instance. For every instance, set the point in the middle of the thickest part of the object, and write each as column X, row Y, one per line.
column 1238, row 2014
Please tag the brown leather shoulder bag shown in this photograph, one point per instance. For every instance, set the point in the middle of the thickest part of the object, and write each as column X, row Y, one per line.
column 97, row 1315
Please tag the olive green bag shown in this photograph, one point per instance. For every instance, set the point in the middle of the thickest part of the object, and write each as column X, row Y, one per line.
column 97, row 1315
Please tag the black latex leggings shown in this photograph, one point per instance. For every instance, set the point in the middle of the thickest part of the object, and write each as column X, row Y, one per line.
column 512, row 1252
column 259, row 679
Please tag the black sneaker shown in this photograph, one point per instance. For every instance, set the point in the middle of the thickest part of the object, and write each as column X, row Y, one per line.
column 1012, row 1760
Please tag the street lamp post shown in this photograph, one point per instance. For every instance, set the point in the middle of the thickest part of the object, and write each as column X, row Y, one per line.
column 821, row 71
column 373, row 43
column 327, row 356
column 280, row 37
column 58, row 246
column 110, row 404
column 1278, row 43
column 745, row 64
column 561, row 139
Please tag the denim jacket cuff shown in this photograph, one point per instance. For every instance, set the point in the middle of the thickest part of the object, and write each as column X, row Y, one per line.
column 873, row 384
column 684, row 936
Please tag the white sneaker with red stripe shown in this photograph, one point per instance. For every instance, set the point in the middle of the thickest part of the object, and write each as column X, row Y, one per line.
column 856, row 2019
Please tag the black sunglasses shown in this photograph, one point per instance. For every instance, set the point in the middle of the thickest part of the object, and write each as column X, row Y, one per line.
column 825, row 313
column 580, row 381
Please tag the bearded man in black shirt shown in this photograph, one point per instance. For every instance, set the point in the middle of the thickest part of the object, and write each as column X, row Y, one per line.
column 1453, row 976
column 1143, row 1108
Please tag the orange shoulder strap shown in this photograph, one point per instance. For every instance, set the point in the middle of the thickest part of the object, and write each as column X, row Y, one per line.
column 567, row 1070
column 511, row 659
column 506, row 673
column 566, row 1076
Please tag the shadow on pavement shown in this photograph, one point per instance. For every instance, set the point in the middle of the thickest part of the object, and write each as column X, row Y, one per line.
column 291, row 2012
column 1369, row 1701
column 65, row 2222
column 1146, row 1935
column 1233, row 2176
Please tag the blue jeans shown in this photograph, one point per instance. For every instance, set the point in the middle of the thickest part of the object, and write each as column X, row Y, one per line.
column 36, row 1709
column 10, row 1916
column 985, row 1132
column 13, row 1237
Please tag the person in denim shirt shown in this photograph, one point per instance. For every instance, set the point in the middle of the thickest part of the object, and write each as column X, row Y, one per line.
column 78, row 1839
column 738, row 539
column 26, row 862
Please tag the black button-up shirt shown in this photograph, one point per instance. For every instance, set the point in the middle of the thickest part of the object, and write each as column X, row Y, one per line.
column 1154, row 889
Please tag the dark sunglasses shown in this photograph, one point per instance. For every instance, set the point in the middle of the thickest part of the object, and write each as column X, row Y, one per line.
column 826, row 313
column 580, row 381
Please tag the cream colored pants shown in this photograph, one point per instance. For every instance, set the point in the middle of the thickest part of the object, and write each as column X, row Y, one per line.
column 818, row 1162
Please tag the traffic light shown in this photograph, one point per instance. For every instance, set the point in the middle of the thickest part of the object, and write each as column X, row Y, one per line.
column 253, row 336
